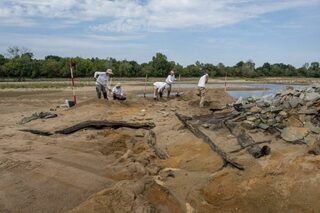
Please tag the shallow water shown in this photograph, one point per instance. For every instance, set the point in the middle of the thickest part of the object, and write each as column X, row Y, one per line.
column 268, row 88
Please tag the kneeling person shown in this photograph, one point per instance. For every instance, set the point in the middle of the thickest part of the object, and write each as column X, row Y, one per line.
column 118, row 93
column 158, row 89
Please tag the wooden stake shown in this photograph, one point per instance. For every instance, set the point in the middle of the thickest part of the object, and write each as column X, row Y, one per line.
column 72, row 82
column 145, row 86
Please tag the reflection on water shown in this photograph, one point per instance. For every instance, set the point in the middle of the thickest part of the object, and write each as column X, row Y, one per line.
column 268, row 88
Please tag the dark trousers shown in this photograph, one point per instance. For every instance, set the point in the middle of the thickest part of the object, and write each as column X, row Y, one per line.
column 101, row 89
column 119, row 97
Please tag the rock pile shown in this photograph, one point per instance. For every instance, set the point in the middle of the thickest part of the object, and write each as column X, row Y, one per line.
column 293, row 114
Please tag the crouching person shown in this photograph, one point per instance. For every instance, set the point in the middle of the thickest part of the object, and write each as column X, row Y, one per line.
column 118, row 93
column 158, row 88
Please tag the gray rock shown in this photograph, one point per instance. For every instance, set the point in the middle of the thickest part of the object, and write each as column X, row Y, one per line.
column 294, row 102
column 292, row 134
column 302, row 96
column 205, row 125
column 313, row 96
column 283, row 114
column 251, row 118
column 308, row 111
column 315, row 149
column 276, row 109
column 248, row 124
column 286, row 105
column 271, row 122
column 309, row 104
column 247, row 106
column 263, row 126
column 312, row 127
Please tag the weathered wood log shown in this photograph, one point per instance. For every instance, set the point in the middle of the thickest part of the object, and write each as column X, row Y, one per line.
column 245, row 140
column 37, row 132
column 198, row 133
column 244, row 147
column 152, row 142
column 104, row 124
column 93, row 125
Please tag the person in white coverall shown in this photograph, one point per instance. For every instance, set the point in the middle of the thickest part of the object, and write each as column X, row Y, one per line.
column 118, row 93
column 202, row 88
column 158, row 88
column 102, row 79
column 170, row 80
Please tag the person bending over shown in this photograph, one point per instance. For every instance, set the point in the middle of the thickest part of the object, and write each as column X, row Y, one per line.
column 102, row 80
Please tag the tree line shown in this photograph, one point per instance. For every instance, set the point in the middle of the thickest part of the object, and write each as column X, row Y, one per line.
column 20, row 63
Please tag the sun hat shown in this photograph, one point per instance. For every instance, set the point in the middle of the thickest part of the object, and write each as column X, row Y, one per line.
column 109, row 71
column 118, row 85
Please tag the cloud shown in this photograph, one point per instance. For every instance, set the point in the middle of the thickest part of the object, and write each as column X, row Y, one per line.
column 137, row 15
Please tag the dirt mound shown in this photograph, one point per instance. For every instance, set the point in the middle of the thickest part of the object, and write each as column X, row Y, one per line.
column 214, row 98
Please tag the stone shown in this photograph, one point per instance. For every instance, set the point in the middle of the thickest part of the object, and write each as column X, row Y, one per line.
column 247, row 106
column 311, row 139
column 309, row 104
column 313, row 96
column 205, row 125
column 312, row 128
column 278, row 119
column 308, row 111
column 294, row 102
column 302, row 96
column 287, row 92
column 162, row 109
column 173, row 109
column 271, row 122
column 292, row 134
column 248, row 124
column 251, row 118
column 263, row 126
column 283, row 114
column 286, row 105
column 294, row 122
column 276, row 102
column 255, row 109
column 276, row 109
column 315, row 149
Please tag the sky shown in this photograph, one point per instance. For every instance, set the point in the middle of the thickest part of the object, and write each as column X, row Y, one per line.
column 186, row 31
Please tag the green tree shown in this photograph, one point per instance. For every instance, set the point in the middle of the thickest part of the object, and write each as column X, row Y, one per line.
column 160, row 65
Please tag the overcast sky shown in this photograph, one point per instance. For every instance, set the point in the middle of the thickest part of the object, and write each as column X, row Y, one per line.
column 210, row 31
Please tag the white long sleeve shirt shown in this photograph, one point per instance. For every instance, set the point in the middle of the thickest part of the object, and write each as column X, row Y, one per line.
column 203, row 80
column 160, row 86
column 101, row 78
column 170, row 79
column 117, row 91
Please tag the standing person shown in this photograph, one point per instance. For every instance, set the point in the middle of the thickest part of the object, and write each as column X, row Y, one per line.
column 102, row 79
column 170, row 80
column 158, row 89
column 202, row 88
column 118, row 93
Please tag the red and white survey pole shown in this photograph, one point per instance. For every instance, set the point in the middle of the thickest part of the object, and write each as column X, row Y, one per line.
column 72, row 65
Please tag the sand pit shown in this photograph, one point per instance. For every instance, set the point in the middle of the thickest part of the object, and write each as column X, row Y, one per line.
column 132, row 170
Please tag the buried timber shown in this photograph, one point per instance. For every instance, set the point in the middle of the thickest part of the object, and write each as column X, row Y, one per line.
column 168, row 156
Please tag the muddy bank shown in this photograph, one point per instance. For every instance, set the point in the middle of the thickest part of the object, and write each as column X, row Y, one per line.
column 163, row 169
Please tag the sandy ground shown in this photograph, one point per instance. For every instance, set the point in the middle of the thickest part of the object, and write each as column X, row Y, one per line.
column 115, row 170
